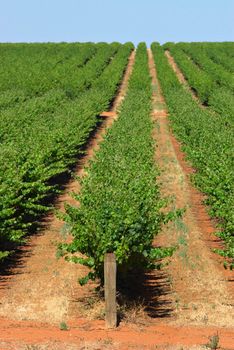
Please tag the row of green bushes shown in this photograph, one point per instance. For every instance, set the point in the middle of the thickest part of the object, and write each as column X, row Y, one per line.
column 208, row 144
column 120, row 204
column 213, row 91
column 40, row 139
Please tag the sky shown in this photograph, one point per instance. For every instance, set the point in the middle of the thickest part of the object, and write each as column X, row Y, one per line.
column 116, row 20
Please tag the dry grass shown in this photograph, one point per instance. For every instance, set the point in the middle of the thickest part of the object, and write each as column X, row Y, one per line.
column 133, row 312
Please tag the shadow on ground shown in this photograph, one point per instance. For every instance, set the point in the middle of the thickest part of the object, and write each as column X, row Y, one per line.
column 15, row 262
column 141, row 298
column 151, row 290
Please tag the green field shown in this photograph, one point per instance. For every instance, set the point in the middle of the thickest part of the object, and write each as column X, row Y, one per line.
column 51, row 96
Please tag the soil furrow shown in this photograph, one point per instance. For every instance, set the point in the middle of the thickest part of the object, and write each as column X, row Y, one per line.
column 182, row 78
column 199, row 285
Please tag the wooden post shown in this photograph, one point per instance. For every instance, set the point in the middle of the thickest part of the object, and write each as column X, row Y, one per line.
column 110, row 290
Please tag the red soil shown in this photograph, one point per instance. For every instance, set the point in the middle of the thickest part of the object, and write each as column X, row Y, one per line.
column 123, row 338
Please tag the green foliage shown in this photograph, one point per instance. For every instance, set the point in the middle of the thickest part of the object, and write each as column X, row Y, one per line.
column 63, row 326
column 221, row 101
column 213, row 342
column 218, row 52
column 208, row 141
column 199, row 80
column 197, row 52
column 41, row 136
column 120, row 204
column 213, row 84
column 29, row 70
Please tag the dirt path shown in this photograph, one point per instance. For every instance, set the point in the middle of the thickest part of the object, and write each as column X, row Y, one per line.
column 182, row 78
column 175, row 68
column 93, row 336
column 41, row 287
column 197, row 197
column 200, row 285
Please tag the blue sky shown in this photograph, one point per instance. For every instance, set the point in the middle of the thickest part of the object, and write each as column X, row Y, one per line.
column 116, row 20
